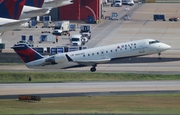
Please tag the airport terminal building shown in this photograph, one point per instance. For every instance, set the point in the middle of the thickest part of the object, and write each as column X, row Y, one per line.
column 79, row 10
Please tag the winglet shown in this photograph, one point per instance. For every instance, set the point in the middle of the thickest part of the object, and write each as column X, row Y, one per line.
column 69, row 59
column 34, row 3
column 26, row 53
column 11, row 9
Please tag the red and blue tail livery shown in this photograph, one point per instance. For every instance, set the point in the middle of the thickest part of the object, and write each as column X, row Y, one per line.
column 11, row 9
column 26, row 53
column 34, row 3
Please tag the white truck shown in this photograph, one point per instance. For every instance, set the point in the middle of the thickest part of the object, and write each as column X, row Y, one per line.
column 128, row 2
column 85, row 31
column 76, row 40
column 61, row 28
column 116, row 3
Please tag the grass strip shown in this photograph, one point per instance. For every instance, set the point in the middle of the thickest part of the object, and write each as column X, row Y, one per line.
column 129, row 104
column 23, row 77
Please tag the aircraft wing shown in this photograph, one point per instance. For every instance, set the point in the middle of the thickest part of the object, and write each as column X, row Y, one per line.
column 39, row 11
column 14, row 23
column 88, row 62
column 56, row 3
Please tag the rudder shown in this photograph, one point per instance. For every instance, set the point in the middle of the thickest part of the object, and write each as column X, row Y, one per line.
column 26, row 53
column 11, row 9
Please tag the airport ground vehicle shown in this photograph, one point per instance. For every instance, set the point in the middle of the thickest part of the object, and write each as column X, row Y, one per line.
column 128, row 2
column 126, row 17
column 47, row 38
column 61, row 28
column 72, row 27
column 114, row 16
column 85, row 28
column 76, row 40
column 85, row 31
column 87, row 35
column 174, row 19
column 116, row 3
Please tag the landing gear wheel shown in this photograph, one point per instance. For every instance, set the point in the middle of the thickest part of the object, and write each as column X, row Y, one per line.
column 159, row 56
column 93, row 69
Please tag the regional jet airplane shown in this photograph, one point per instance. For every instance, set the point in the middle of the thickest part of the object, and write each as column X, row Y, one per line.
column 89, row 57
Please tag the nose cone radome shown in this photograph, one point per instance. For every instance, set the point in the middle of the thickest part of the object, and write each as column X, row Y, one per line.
column 165, row 47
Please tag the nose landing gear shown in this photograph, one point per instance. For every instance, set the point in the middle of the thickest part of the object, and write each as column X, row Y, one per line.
column 159, row 54
column 93, row 69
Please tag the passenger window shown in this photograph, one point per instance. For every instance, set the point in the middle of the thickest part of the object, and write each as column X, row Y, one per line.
column 83, row 55
column 92, row 53
column 115, row 49
column 88, row 54
column 106, row 51
column 97, row 53
column 111, row 51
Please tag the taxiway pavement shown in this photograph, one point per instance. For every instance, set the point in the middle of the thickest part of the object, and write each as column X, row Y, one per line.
column 88, row 87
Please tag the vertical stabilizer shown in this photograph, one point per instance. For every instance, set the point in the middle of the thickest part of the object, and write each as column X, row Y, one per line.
column 26, row 53
column 11, row 9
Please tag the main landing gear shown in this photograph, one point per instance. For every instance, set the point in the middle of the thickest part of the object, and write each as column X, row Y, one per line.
column 93, row 69
column 159, row 54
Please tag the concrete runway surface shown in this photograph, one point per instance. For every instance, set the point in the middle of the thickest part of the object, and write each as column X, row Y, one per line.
column 88, row 87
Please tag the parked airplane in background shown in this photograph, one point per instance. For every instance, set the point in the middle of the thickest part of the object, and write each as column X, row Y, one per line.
column 35, row 8
column 56, row 3
column 89, row 57
column 10, row 11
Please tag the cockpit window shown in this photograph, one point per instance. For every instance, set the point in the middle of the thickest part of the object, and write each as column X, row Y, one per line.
column 153, row 42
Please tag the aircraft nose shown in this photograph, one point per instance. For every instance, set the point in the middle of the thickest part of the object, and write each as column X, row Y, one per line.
column 165, row 47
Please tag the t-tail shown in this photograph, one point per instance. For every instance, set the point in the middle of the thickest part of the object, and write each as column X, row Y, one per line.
column 26, row 53
column 34, row 3
column 11, row 9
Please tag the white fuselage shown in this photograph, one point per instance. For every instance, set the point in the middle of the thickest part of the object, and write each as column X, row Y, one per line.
column 96, row 55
